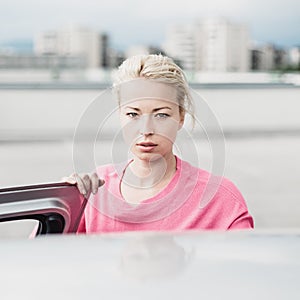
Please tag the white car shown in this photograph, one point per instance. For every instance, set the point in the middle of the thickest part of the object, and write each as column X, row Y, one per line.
column 136, row 265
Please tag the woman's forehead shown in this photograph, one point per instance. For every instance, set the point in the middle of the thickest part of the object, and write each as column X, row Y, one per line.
column 142, row 89
column 149, row 104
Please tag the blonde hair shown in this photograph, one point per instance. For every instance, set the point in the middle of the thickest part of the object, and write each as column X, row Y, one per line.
column 159, row 68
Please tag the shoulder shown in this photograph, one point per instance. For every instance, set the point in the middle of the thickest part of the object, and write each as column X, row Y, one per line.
column 220, row 186
column 230, row 187
column 111, row 170
column 188, row 170
column 218, row 197
column 229, row 190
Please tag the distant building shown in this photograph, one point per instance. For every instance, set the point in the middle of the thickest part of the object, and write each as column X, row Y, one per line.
column 255, row 59
column 268, row 57
column 104, row 51
column 115, row 58
column 142, row 49
column 212, row 45
column 181, row 44
column 224, row 46
column 280, row 58
column 33, row 61
column 294, row 57
column 74, row 41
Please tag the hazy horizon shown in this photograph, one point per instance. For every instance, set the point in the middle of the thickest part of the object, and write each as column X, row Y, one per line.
column 21, row 21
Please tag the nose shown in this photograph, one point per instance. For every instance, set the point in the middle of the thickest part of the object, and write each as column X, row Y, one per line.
column 146, row 126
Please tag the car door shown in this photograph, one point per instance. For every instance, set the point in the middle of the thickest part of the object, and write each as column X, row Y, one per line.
column 51, row 208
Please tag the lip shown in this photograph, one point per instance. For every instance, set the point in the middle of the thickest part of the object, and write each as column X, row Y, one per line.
column 146, row 146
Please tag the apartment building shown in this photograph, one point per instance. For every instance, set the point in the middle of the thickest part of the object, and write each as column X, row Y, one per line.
column 78, row 41
column 211, row 45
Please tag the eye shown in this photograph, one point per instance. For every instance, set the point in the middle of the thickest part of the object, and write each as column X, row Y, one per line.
column 161, row 116
column 132, row 115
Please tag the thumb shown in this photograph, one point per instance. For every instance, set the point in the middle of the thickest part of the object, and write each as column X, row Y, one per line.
column 100, row 182
column 69, row 180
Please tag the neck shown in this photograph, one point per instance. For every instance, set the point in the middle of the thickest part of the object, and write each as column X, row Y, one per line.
column 142, row 173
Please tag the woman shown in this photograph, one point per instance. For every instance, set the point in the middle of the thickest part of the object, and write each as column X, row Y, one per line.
column 156, row 190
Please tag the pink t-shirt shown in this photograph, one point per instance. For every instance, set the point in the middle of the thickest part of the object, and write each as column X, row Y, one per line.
column 193, row 200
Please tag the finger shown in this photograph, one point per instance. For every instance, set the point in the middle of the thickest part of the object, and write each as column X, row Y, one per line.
column 96, row 182
column 101, row 182
column 80, row 185
column 87, row 184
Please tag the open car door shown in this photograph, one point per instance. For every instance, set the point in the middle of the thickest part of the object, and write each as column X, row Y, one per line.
column 52, row 207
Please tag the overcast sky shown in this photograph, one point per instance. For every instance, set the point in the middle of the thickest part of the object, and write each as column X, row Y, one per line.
column 134, row 22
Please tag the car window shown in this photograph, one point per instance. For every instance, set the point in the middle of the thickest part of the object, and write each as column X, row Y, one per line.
column 26, row 228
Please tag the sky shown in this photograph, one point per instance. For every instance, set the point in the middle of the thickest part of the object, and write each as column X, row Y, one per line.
column 135, row 22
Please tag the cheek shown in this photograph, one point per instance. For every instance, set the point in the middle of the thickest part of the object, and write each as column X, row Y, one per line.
column 168, row 129
column 130, row 131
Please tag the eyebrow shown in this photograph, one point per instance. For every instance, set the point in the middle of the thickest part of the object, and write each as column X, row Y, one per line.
column 154, row 110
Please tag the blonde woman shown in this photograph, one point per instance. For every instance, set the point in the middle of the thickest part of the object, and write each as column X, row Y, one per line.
column 156, row 190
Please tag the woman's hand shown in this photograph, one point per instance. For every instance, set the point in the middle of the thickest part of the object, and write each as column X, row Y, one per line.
column 86, row 183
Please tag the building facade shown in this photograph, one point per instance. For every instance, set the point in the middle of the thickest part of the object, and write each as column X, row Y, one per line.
column 268, row 57
column 294, row 57
column 33, row 61
column 212, row 45
column 181, row 44
column 74, row 41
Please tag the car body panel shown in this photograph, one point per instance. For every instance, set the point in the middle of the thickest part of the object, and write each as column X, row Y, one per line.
column 152, row 265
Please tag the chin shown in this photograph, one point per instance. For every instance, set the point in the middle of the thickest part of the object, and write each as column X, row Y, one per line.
column 144, row 155
column 148, row 156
